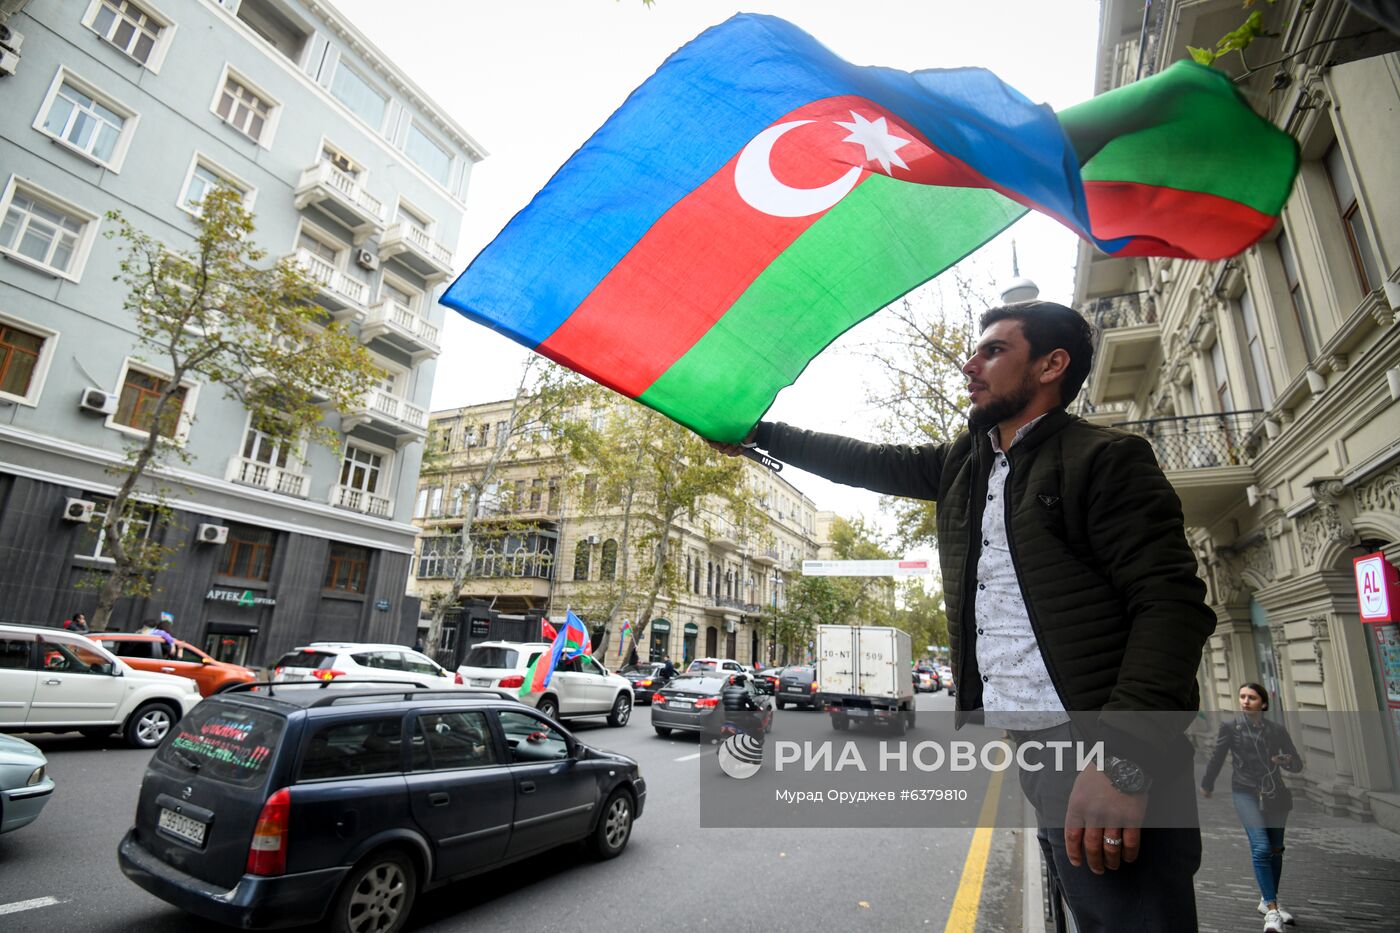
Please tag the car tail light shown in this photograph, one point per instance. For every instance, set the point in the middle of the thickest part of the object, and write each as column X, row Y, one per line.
column 327, row 674
column 658, row 698
column 277, row 672
column 646, row 683
column 514, row 680
column 267, row 853
column 707, row 703
column 812, row 687
column 457, row 679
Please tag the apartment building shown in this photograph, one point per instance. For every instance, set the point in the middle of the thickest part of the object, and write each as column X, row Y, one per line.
column 141, row 106
column 1268, row 384
column 539, row 549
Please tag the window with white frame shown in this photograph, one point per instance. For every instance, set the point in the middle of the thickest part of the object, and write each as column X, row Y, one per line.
column 92, row 543
column 244, row 109
column 261, row 447
column 407, row 215
column 135, row 29
column 319, row 247
column 44, row 231
column 77, row 115
column 360, row 469
column 355, row 92
column 1296, row 296
column 399, row 294
column 1363, row 254
column 428, row 154
column 1225, row 401
column 139, row 400
column 205, row 177
column 1255, row 343
column 25, row 351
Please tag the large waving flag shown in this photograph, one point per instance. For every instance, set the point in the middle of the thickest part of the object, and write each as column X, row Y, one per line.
column 570, row 642
column 758, row 196
column 622, row 639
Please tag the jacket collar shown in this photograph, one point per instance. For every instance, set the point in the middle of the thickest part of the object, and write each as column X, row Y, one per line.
column 1049, row 425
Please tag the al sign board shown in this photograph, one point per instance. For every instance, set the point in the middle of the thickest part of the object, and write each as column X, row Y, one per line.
column 1377, row 588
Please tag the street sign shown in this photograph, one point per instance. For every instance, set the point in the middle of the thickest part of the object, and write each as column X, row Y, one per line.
column 866, row 568
column 1377, row 588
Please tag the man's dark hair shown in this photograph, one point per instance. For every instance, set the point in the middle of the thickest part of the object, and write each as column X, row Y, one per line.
column 1049, row 326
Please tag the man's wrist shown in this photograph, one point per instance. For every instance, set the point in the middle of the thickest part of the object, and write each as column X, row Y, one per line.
column 1127, row 777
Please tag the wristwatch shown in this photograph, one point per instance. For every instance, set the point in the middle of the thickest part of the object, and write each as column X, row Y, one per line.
column 1126, row 776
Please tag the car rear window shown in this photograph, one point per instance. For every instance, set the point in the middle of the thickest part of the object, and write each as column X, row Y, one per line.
column 316, row 660
column 229, row 743
column 485, row 656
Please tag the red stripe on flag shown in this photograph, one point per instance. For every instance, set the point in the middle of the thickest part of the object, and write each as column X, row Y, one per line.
column 690, row 268
column 1171, row 222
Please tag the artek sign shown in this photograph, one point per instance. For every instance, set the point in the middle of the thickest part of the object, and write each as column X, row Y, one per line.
column 1377, row 588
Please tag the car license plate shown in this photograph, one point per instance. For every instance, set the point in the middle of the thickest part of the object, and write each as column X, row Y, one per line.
column 679, row 702
column 180, row 825
column 480, row 682
column 794, row 690
column 857, row 712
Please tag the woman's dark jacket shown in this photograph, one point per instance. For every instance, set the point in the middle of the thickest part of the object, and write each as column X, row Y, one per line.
column 1099, row 545
column 1250, row 749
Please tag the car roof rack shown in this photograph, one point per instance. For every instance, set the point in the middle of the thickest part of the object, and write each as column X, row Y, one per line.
column 446, row 694
column 413, row 689
column 322, row 684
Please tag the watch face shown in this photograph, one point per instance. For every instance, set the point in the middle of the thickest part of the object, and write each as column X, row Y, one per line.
column 1126, row 776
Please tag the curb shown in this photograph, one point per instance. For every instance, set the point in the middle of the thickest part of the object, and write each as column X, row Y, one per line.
column 1032, row 892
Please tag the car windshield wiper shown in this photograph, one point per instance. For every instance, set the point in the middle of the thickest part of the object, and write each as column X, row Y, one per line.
column 186, row 760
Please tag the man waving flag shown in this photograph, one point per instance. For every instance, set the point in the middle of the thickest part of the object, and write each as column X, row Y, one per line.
column 572, row 641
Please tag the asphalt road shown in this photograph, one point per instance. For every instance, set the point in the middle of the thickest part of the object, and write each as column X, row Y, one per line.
column 673, row 876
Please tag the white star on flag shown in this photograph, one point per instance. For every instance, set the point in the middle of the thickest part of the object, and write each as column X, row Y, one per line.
column 880, row 144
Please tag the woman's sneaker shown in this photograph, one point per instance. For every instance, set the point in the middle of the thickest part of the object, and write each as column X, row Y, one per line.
column 1285, row 915
column 1273, row 922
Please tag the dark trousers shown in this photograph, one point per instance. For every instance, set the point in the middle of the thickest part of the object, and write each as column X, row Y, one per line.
column 1154, row 894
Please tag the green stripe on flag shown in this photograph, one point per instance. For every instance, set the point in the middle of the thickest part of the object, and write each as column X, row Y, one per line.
column 827, row 281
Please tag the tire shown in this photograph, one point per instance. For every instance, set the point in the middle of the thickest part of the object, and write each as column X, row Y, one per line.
column 614, row 826
column 781, row 704
column 662, row 730
column 840, row 723
column 549, row 706
column 149, row 725
column 621, row 711
column 377, row 895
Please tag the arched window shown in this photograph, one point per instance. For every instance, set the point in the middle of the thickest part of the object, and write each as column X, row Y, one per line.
column 609, row 567
column 582, row 552
column 519, row 561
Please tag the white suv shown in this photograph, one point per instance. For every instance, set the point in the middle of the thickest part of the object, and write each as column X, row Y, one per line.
column 725, row 665
column 57, row 681
column 331, row 660
column 580, row 686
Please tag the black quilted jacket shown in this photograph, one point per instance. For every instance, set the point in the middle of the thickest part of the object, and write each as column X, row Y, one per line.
column 1099, row 545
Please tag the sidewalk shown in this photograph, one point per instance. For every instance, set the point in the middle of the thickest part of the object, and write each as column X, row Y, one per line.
column 1338, row 875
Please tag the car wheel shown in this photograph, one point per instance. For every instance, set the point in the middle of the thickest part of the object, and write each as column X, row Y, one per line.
column 377, row 896
column 614, row 826
column 780, row 704
column 840, row 723
column 548, row 706
column 149, row 725
column 621, row 711
column 662, row 730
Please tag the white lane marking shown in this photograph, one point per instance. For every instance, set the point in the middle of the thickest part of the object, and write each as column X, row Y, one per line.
column 31, row 904
column 688, row 757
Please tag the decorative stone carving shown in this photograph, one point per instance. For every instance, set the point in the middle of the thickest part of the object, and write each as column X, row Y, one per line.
column 1381, row 494
column 1320, row 634
column 1323, row 524
column 1226, row 583
column 1258, row 558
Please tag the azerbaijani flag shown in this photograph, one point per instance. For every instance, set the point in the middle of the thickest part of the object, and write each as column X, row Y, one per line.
column 571, row 641
column 622, row 642
column 758, row 196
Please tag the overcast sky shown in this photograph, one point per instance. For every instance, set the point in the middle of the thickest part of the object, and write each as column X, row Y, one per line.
column 531, row 80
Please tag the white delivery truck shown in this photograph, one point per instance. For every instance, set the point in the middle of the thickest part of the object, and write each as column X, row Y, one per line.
column 865, row 674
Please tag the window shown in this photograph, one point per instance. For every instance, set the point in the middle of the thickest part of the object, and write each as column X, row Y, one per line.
column 428, row 154
column 399, row 295
column 435, row 502
column 531, row 738
column 1257, row 360
column 44, row 233
column 360, row 469
column 91, row 542
column 582, row 552
column 415, row 220
column 129, row 27
column 248, row 553
column 243, row 109
column 1296, row 295
column 1362, row 253
column 483, row 433
column 261, row 447
column 420, row 508
column 609, row 568
column 1224, row 400
column 205, row 177
column 348, row 569
column 72, row 659
column 14, row 654
column 502, row 432
column 21, row 351
column 80, row 118
column 133, row 647
column 140, row 396
column 359, row 95
column 318, row 247
column 353, row 750
column 536, row 494
column 452, row 740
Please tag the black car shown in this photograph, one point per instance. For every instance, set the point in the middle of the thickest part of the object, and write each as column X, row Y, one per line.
column 766, row 680
column 798, row 687
column 646, row 679
column 295, row 804
column 689, row 702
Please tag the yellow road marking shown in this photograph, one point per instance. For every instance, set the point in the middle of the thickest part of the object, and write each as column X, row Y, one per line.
column 963, row 918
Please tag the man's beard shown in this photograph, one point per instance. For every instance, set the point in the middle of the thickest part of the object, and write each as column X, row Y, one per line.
column 1001, row 407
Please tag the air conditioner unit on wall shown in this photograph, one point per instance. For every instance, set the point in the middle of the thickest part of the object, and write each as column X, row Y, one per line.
column 211, row 534
column 592, row 539
column 367, row 259
column 11, row 39
column 9, row 62
column 78, row 510
column 98, row 400
column 731, row 626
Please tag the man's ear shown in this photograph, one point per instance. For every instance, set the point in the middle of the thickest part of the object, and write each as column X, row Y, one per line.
column 1056, row 362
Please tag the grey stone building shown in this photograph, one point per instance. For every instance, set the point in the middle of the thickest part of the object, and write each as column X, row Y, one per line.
column 141, row 106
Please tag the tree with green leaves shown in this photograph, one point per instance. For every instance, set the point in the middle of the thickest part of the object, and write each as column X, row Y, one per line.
column 215, row 313
column 813, row 601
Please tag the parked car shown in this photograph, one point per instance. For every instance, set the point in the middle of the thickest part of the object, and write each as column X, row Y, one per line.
column 798, row 687
column 578, row 688
column 767, row 679
column 328, row 660
column 925, row 680
column 57, row 681
column 24, row 783
column 153, row 653
column 715, row 664
column 945, row 677
column 297, row 804
column 645, row 679
column 688, row 702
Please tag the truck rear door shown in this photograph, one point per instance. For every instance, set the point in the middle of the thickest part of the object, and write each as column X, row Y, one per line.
column 875, row 662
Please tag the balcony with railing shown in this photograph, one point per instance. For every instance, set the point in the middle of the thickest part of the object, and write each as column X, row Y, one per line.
column 719, row 605
column 341, row 195
column 413, row 246
column 337, row 292
column 1205, row 457
column 1129, row 345
column 267, row 476
column 767, row 556
column 401, row 327
column 358, row 500
column 391, row 414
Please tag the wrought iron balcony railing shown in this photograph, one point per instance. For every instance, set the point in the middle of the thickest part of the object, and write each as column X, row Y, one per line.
column 439, row 561
column 1129, row 310
column 1198, row 442
column 728, row 602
